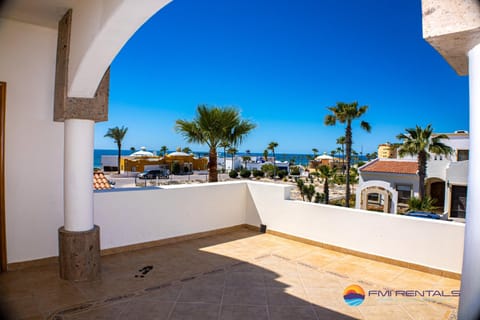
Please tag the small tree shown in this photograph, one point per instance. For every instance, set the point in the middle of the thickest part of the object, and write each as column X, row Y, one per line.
column 309, row 191
column 224, row 144
column 328, row 174
column 271, row 146
column 164, row 150
column 301, row 185
column 233, row 151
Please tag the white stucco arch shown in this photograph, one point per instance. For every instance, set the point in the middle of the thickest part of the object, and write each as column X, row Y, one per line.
column 381, row 184
column 100, row 28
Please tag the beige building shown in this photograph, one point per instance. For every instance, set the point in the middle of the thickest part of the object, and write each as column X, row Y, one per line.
column 387, row 151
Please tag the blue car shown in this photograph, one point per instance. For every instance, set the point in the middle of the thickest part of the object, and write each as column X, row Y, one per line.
column 423, row 214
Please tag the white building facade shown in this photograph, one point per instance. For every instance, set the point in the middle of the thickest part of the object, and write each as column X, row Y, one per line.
column 446, row 179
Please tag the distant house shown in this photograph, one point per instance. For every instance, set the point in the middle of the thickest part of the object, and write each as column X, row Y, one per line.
column 326, row 160
column 387, row 184
column 387, row 151
column 144, row 160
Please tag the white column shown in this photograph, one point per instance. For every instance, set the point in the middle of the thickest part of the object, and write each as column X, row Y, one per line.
column 469, row 307
column 78, row 174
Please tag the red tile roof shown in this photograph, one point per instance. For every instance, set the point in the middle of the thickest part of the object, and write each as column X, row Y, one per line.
column 391, row 166
column 100, row 182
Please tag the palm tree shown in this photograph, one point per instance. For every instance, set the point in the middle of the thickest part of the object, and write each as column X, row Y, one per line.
column 224, row 144
column 232, row 151
column 315, row 152
column 271, row 146
column 211, row 126
column 421, row 142
column 265, row 154
column 345, row 113
column 341, row 141
column 187, row 150
column 327, row 175
column 164, row 150
column 117, row 134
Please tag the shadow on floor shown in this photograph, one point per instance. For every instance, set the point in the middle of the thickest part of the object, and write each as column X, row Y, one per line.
column 238, row 275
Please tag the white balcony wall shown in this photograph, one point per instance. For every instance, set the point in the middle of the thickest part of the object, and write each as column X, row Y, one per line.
column 33, row 141
column 435, row 244
column 437, row 168
column 137, row 216
column 457, row 173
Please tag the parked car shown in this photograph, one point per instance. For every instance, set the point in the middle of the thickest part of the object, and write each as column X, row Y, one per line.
column 153, row 174
column 423, row 214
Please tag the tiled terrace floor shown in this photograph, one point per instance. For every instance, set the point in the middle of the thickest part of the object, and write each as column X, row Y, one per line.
column 240, row 275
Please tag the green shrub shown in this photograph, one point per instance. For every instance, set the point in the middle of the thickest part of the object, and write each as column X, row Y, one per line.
column 281, row 174
column 176, row 168
column 427, row 204
column 294, row 170
column 268, row 170
column 319, row 197
column 309, row 191
column 258, row 173
column 233, row 174
column 244, row 173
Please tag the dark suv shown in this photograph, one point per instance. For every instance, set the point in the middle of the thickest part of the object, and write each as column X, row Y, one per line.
column 153, row 174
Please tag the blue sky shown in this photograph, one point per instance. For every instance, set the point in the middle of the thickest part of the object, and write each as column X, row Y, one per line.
column 282, row 63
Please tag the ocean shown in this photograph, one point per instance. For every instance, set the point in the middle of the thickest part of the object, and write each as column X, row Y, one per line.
column 301, row 159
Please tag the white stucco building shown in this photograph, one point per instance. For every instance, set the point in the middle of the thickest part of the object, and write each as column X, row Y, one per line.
column 387, row 184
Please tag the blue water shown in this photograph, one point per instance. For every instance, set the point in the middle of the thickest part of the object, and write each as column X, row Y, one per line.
column 298, row 158
column 354, row 302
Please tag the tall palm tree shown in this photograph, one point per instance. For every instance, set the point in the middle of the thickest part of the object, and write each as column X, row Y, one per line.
column 117, row 134
column 164, row 150
column 346, row 113
column 233, row 151
column 211, row 126
column 224, row 144
column 271, row 146
column 315, row 153
column 327, row 174
column 421, row 142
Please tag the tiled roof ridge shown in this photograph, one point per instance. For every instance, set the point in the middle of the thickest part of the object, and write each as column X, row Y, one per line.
column 397, row 166
column 100, row 182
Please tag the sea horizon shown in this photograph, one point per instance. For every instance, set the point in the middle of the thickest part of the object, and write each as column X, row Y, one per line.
column 297, row 158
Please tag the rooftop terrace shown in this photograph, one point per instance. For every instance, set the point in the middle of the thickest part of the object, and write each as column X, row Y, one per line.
column 238, row 274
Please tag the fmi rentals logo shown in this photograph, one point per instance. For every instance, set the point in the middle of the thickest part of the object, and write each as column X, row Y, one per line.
column 354, row 295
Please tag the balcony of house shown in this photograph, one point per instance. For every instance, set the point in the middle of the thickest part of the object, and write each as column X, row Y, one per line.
column 195, row 252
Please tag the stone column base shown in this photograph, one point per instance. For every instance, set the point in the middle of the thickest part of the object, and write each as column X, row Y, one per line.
column 79, row 254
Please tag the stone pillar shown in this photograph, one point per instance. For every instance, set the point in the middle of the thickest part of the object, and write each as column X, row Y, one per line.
column 469, row 307
column 79, row 239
